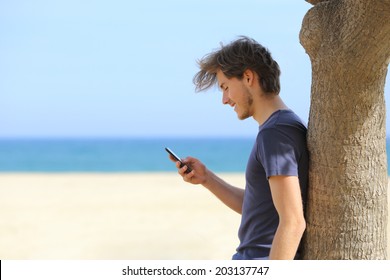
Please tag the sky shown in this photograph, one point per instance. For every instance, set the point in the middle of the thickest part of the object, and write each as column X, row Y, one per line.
column 120, row 68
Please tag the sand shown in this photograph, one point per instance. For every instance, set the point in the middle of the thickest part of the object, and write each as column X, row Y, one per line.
column 114, row 216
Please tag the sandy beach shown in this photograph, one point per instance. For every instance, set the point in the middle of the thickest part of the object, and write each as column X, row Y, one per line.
column 113, row 216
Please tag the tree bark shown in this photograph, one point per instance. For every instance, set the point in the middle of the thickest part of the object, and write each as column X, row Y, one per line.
column 348, row 42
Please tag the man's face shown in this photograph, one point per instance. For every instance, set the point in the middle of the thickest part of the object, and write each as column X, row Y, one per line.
column 236, row 94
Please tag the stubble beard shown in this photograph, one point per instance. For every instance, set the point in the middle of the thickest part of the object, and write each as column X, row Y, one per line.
column 246, row 107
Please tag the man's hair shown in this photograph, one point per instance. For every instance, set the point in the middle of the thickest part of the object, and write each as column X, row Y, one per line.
column 233, row 59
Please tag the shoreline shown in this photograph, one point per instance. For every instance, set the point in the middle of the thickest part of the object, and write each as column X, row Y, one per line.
column 112, row 216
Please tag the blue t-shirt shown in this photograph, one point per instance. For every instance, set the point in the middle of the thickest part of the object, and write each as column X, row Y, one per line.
column 280, row 149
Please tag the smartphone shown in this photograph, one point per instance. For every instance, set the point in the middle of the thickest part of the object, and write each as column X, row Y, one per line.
column 178, row 159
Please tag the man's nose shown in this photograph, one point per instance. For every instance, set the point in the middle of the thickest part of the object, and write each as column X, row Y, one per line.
column 225, row 98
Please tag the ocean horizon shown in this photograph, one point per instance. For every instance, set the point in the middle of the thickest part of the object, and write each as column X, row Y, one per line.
column 123, row 154
column 120, row 154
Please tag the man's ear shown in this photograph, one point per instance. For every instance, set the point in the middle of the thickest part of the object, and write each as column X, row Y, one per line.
column 249, row 77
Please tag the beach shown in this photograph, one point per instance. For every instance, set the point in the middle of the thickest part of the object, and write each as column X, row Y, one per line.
column 112, row 216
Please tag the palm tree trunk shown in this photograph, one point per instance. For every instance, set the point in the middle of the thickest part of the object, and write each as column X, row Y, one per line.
column 348, row 43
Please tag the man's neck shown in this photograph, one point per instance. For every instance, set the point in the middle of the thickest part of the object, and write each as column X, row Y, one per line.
column 266, row 106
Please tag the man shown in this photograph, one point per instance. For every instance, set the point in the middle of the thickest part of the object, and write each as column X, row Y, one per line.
column 272, row 204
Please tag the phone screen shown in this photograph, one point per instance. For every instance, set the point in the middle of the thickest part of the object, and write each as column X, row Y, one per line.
column 173, row 154
column 178, row 159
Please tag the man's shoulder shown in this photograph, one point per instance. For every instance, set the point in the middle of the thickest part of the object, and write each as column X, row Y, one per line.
column 282, row 120
column 286, row 127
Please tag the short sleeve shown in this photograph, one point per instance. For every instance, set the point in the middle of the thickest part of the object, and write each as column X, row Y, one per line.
column 277, row 153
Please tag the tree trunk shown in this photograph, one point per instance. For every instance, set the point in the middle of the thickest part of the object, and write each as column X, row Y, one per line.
column 348, row 42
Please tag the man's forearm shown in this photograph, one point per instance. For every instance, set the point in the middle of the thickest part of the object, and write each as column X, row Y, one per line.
column 231, row 196
column 286, row 241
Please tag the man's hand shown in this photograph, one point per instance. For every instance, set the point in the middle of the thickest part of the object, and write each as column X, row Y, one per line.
column 229, row 195
column 199, row 172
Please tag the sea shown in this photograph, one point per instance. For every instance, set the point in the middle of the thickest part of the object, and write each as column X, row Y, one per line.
column 123, row 155
column 120, row 155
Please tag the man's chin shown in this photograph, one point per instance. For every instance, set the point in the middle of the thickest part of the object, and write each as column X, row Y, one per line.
column 242, row 117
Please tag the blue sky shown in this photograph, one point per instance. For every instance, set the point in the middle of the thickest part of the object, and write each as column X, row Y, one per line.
column 119, row 68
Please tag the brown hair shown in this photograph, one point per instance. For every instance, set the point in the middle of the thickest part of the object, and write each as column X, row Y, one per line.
column 233, row 59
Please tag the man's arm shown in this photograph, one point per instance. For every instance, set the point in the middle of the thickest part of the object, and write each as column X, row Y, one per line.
column 231, row 196
column 286, row 195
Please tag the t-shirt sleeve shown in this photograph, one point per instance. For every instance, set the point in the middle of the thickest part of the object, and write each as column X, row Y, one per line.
column 277, row 153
